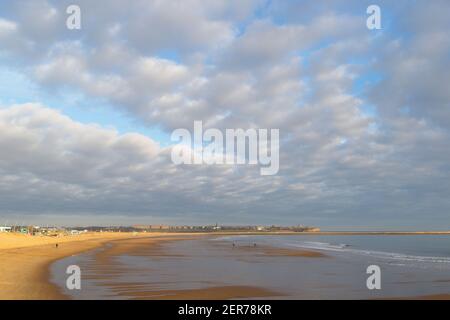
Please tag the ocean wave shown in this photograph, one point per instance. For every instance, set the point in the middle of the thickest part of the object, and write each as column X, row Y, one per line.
column 319, row 245
column 371, row 253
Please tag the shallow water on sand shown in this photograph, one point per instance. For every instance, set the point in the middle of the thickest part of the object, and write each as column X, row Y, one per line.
column 410, row 265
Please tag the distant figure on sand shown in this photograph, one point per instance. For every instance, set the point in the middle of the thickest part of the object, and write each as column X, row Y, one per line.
column 56, row 245
column 234, row 245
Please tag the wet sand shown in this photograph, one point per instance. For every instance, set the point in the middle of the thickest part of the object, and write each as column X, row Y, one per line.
column 280, row 252
column 104, row 268
column 210, row 293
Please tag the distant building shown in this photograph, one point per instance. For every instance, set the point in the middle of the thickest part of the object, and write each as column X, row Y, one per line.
column 5, row 229
column 23, row 230
column 142, row 227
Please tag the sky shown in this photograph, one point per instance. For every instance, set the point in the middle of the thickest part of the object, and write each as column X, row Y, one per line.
column 364, row 115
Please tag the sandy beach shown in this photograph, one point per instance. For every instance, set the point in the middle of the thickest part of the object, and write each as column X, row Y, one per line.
column 25, row 261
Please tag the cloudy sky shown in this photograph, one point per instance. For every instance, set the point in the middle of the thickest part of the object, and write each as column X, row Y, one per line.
column 364, row 115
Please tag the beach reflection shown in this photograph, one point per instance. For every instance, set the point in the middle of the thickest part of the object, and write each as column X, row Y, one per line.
column 268, row 267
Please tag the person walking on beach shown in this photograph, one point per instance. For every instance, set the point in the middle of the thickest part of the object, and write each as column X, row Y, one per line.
column 56, row 245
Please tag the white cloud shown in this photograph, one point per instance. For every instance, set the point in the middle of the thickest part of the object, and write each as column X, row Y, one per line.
column 7, row 26
column 233, row 64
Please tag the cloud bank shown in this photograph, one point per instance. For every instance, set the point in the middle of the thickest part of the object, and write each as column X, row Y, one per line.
column 363, row 115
